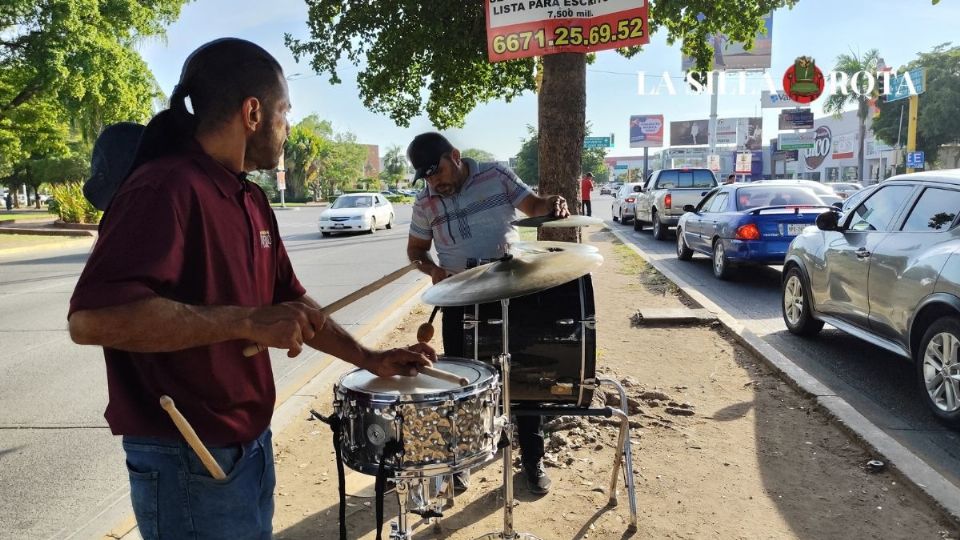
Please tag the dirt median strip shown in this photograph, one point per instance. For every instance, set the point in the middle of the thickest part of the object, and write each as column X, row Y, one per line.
column 723, row 447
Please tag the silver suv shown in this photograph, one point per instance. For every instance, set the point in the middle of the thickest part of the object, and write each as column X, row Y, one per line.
column 887, row 270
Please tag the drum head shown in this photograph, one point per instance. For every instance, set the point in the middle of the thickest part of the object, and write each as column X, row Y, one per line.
column 364, row 382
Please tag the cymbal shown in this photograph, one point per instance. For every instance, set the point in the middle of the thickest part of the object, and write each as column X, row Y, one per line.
column 550, row 221
column 520, row 275
column 549, row 246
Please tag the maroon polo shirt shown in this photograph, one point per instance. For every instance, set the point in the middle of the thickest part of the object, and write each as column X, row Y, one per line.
column 186, row 228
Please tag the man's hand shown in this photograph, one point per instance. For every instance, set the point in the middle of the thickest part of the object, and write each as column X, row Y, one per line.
column 558, row 206
column 438, row 274
column 397, row 362
column 425, row 350
column 285, row 326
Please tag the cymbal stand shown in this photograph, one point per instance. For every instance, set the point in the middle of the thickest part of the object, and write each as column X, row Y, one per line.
column 504, row 359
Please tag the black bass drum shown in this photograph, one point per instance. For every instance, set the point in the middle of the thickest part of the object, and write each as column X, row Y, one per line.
column 553, row 342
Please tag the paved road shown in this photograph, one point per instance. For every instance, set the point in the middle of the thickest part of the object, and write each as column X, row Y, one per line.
column 879, row 384
column 59, row 464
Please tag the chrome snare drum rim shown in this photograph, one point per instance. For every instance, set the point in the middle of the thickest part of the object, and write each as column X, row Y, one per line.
column 444, row 428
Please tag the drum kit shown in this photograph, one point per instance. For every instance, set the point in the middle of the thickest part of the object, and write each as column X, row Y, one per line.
column 420, row 431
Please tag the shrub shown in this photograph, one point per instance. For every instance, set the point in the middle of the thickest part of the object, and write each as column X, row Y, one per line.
column 400, row 199
column 72, row 206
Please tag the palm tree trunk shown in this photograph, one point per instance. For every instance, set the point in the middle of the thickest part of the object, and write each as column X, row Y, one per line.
column 562, row 118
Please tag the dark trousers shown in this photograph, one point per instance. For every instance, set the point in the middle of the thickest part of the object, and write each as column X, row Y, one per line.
column 586, row 208
column 528, row 427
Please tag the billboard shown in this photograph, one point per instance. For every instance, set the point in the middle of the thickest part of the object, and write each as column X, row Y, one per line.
column 796, row 119
column 646, row 131
column 745, row 133
column 525, row 29
column 689, row 132
column 844, row 146
column 730, row 55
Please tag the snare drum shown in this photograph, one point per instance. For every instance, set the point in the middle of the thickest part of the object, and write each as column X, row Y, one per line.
column 444, row 428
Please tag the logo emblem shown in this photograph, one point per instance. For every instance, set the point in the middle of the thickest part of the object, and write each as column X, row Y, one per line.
column 265, row 241
column 803, row 81
column 821, row 148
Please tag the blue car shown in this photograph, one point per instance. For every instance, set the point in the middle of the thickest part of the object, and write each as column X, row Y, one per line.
column 747, row 224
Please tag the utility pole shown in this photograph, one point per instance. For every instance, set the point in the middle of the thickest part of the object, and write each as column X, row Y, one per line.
column 912, row 126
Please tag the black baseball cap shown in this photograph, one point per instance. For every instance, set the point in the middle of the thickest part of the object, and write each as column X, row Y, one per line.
column 425, row 151
column 113, row 154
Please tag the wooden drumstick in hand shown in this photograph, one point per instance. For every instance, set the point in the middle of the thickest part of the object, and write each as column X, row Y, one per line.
column 443, row 375
column 191, row 436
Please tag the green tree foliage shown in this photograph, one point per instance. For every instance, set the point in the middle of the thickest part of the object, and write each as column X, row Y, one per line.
column 412, row 65
column 478, row 155
column 319, row 161
column 73, row 63
column 528, row 161
column 72, row 206
column 851, row 64
column 939, row 115
column 394, row 167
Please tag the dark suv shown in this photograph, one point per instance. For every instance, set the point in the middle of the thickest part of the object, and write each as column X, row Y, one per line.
column 887, row 270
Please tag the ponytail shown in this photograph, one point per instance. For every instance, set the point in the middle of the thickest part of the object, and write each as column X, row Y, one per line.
column 168, row 132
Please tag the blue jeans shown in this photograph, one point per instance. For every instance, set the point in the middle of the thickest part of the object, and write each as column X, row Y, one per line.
column 174, row 497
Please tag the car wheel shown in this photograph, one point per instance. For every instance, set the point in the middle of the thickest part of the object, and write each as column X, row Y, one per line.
column 325, row 234
column 615, row 217
column 637, row 224
column 938, row 369
column 721, row 264
column 684, row 253
column 390, row 222
column 659, row 231
column 796, row 306
column 373, row 225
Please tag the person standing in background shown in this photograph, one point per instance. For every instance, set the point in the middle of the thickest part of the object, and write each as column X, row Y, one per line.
column 586, row 186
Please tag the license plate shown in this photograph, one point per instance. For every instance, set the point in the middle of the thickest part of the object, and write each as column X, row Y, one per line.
column 793, row 229
column 338, row 225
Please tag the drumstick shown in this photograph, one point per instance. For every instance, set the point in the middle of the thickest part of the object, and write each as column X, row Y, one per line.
column 443, row 375
column 425, row 332
column 251, row 350
column 191, row 436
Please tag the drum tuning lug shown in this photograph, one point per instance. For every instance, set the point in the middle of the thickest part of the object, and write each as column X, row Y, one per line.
column 495, row 322
column 590, row 323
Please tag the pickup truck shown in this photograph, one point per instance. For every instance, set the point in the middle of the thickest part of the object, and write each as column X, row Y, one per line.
column 661, row 198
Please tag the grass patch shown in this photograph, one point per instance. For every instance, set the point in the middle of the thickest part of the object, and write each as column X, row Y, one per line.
column 277, row 205
column 27, row 216
column 21, row 240
column 632, row 264
column 528, row 234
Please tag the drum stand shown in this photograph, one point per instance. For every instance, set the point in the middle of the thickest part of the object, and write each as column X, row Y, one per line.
column 504, row 360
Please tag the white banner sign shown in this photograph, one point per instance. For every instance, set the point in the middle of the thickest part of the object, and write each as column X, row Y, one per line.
column 744, row 163
column 776, row 101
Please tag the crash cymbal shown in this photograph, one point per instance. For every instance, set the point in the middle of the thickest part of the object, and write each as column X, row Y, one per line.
column 550, row 221
column 549, row 246
column 519, row 275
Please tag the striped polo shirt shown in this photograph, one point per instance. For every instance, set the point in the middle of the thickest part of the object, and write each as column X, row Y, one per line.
column 474, row 223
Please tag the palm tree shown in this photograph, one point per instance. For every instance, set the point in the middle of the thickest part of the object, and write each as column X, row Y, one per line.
column 394, row 164
column 851, row 64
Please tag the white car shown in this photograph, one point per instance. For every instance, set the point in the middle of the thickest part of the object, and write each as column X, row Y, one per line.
column 624, row 198
column 356, row 212
column 845, row 189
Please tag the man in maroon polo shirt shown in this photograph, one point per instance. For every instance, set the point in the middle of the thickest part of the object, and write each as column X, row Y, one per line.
column 189, row 269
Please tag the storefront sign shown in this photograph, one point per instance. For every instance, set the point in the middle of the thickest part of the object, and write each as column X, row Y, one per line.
column 823, row 141
column 797, row 141
column 796, row 119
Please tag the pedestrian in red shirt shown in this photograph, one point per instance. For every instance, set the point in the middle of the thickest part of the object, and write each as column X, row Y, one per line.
column 189, row 269
column 586, row 186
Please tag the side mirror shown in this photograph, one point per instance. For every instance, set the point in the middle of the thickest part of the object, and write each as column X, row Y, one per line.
column 637, row 188
column 828, row 221
column 689, row 208
column 838, row 205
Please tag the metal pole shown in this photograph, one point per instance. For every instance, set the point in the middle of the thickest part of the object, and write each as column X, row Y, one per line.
column 645, row 167
column 912, row 126
column 712, row 135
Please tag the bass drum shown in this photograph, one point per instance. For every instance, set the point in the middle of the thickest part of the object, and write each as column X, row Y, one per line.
column 553, row 342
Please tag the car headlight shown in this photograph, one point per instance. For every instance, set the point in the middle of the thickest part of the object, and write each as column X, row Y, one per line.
column 324, row 218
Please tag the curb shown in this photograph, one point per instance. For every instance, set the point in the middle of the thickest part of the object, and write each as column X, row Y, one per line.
column 913, row 469
column 293, row 407
column 71, row 242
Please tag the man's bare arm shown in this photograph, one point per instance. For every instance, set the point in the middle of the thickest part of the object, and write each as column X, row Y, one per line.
column 163, row 325
column 418, row 252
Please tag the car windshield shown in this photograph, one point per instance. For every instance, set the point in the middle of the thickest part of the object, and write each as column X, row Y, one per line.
column 755, row 197
column 353, row 201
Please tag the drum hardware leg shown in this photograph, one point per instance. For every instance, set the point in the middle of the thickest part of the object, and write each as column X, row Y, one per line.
column 400, row 529
column 624, row 450
column 507, row 441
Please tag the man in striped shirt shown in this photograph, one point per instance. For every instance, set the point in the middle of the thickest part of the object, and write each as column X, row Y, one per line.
column 465, row 209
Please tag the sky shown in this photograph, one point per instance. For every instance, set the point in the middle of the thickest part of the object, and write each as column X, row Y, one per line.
column 821, row 29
